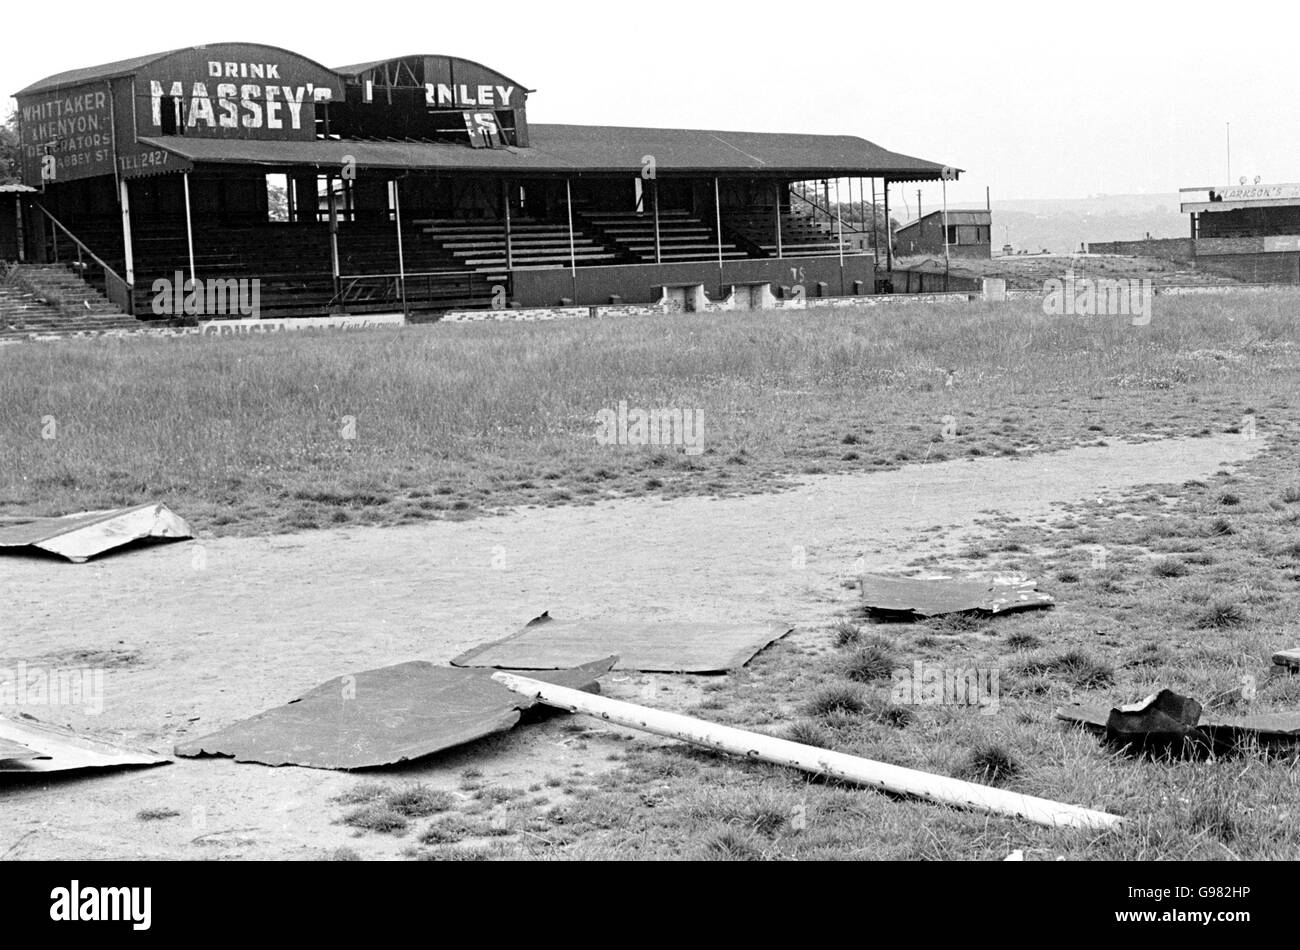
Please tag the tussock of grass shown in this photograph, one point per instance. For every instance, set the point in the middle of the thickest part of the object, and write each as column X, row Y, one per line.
column 156, row 814
column 1220, row 614
column 379, row 818
column 363, row 794
column 867, row 664
column 419, row 801
column 807, row 732
column 1170, row 567
column 846, row 634
column 844, row 698
column 1075, row 667
column 990, row 763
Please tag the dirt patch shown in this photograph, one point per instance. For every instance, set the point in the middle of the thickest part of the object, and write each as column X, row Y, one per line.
column 225, row 628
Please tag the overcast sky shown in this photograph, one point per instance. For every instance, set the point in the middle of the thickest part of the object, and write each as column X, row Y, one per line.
column 1036, row 100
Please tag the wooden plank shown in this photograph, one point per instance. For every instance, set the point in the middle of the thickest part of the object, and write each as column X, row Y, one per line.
column 879, row 775
column 1288, row 658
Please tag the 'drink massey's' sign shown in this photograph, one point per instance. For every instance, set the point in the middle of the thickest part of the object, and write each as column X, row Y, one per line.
column 233, row 91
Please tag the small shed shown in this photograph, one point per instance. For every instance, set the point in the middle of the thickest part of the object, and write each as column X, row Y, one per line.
column 970, row 234
column 11, row 226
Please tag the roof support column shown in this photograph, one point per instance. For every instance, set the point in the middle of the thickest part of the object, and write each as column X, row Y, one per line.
column 776, row 207
column 889, row 238
column 189, row 232
column 505, row 204
column 717, row 208
column 401, row 256
column 334, row 230
column 659, row 251
column 128, row 251
column 875, row 228
column 839, row 225
column 573, row 250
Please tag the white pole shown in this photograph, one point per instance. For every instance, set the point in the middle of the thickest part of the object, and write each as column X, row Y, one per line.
column 401, row 256
column 129, row 256
column 945, row 234
column 879, row 775
column 573, row 251
column 189, row 231
column 717, row 207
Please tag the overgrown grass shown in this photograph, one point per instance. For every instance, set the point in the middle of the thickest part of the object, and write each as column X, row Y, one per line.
column 386, row 427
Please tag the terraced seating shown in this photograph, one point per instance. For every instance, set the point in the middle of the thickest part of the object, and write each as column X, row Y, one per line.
column 682, row 236
column 53, row 300
column 801, row 236
column 481, row 245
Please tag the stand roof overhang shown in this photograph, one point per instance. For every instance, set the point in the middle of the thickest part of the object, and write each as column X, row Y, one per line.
column 578, row 150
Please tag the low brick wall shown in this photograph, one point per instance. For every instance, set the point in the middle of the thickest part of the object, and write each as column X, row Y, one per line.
column 1171, row 249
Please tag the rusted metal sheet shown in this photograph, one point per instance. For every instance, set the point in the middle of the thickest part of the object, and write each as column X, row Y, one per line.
column 54, row 749
column 81, row 537
column 548, row 644
column 381, row 717
column 1168, row 722
column 911, row 598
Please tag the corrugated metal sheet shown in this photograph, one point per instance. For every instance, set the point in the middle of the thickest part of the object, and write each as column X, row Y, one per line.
column 559, row 149
column 81, row 537
column 380, row 717
column 654, row 647
column 58, row 750
column 903, row 598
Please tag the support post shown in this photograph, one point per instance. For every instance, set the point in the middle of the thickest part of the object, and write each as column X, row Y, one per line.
column 334, row 232
column 889, row 238
column 945, row 234
column 875, row 228
column 401, row 256
column 839, row 226
column 780, row 249
column 717, row 210
column 189, row 232
column 659, row 250
column 18, row 229
column 128, row 251
column 505, row 204
column 573, row 250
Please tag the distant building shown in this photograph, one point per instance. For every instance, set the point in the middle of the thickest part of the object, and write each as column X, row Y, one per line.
column 1247, row 231
column 969, row 234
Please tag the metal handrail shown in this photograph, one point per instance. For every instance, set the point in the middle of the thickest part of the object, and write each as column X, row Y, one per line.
column 116, row 288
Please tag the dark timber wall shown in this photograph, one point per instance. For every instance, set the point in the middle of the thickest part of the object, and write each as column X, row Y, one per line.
column 642, row 283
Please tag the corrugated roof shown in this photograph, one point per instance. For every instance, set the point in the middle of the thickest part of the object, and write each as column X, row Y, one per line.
column 15, row 188
column 955, row 216
column 127, row 67
column 556, row 149
column 356, row 69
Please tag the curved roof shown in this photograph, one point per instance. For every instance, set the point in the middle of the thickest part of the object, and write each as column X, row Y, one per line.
column 127, row 67
column 357, row 69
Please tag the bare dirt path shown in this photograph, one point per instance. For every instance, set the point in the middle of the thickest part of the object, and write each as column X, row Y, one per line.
column 195, row 636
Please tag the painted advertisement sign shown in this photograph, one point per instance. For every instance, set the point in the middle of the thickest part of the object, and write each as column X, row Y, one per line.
column 66, row 135
column 233, row 91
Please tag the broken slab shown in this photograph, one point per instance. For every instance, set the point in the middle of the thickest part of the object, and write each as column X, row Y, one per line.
column 52, row 748
column 81, row 537
column 1168, row 722
column 380, row 717
column 645, row 647
column 1289, row 660
column 916, row 598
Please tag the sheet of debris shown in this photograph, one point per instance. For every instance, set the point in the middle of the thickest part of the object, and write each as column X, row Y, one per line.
column 918, row 598
column 81, row 537
column 1168, row 722
column 381, row 717
column 646, row 647
column 29, row 745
